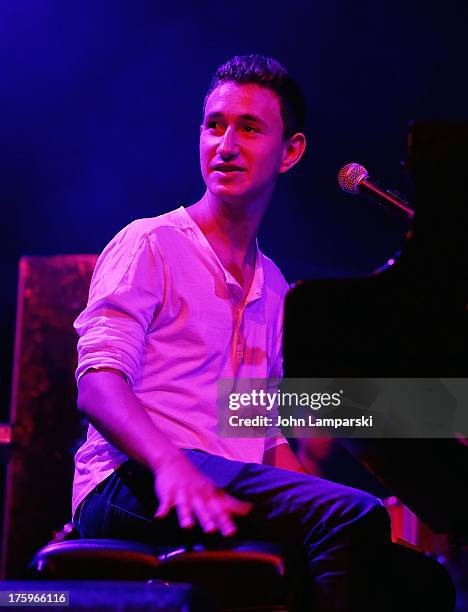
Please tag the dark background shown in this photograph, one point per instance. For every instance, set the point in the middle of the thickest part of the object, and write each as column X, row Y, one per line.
column 101, row 101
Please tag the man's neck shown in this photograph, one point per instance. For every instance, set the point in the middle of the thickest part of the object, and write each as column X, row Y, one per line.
column 230, row 229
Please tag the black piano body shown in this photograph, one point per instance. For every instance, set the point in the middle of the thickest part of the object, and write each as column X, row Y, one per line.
column 408, row 321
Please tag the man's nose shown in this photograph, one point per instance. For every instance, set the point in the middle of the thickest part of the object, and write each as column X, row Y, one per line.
column 228, row 146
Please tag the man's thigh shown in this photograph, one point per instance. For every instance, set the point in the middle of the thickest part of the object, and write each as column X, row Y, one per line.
column 287, row 506
column 291, row 506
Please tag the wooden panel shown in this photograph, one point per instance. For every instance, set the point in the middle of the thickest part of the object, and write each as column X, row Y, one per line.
column 46, row 424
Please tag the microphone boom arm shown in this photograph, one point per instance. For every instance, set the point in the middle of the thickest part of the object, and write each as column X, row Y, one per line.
column 386, row 197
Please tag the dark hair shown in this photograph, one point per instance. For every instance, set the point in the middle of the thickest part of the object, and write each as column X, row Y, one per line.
column 266, row 72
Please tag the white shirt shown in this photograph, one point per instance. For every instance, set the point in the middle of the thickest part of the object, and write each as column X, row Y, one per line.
column 164, row 311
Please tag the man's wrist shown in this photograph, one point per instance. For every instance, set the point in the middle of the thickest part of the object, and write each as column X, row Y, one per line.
column 162, row 459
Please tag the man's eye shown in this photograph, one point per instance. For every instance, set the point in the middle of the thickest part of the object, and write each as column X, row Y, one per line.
column 213, row 125
column 250, row 129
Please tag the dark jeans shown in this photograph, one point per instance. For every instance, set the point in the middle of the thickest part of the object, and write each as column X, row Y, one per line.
column 343, row 532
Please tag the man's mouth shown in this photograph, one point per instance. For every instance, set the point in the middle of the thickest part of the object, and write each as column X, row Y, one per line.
column 227, row 168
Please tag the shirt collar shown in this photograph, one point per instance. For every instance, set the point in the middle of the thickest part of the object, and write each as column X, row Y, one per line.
column 256, row 288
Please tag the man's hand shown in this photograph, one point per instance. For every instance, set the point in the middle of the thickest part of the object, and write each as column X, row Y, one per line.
column 179, row 484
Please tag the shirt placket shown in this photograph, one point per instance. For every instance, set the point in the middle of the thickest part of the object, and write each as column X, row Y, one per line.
column 239, row 340
column 239, row 336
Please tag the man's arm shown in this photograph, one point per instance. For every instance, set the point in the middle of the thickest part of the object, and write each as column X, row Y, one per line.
column 281, row 456
column 108, row 402
column 105, row 397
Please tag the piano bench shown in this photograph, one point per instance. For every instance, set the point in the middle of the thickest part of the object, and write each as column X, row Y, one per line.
column 241, row 575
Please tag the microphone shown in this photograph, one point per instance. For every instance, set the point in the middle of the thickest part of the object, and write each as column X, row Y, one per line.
column 354, row 178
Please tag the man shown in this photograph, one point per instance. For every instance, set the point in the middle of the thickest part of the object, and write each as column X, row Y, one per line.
column 179, row 301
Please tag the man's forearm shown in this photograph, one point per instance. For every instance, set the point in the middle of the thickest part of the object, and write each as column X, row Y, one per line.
column 111, row 406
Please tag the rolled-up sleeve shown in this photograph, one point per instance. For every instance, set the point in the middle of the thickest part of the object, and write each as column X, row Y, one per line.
column 126, row 292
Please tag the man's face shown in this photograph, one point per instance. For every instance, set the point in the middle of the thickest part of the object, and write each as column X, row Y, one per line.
column 241, row 142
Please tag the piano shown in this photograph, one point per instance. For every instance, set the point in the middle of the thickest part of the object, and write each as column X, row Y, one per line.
column 408, row 320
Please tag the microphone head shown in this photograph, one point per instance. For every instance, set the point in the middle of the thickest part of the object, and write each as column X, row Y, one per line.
column 350, row 176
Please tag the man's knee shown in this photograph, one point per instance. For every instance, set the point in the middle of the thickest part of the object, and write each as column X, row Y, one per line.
column 349, row 507
column 367, row 514
column 360, row 503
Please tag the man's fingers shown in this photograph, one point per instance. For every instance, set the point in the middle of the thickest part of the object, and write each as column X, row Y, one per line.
column 215, row 511
column 204, row 516
column 165, row 505
column 213, row 508
column 221, row 516
column 235, row 506
column 184, row 512
column 226, row 525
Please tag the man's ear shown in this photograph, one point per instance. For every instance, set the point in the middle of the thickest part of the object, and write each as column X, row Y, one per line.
column 293, row 150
